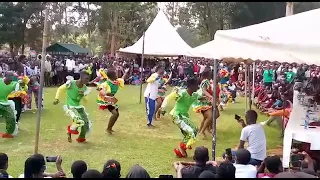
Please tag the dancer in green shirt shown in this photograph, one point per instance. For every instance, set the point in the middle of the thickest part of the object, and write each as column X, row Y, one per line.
column 7, row 107
column 76, row 90
column 180, row 113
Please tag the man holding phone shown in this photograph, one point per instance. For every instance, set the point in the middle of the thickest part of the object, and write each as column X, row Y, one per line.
column 253, row 133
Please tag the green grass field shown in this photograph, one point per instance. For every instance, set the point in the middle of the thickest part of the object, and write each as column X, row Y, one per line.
column 133, row 143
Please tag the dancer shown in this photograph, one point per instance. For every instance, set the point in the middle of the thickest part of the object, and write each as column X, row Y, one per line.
column 19, row 96
column 180, row 113
column 76, row 90
column 204, row 106
column 150, row 93
column 106, row 97
column 161, row 94
column 7, row 107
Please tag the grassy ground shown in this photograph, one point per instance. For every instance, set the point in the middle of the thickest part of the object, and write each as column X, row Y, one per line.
column 132, row 143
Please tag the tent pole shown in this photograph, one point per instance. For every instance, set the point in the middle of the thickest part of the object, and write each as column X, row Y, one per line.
column 40, row 93
column 245, row 87
column 141, row 71
column 249, row 89
column 214, row 108
column 253, row 79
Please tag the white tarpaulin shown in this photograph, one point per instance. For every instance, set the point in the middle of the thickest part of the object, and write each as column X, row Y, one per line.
column 289, row 39
column 161, row 39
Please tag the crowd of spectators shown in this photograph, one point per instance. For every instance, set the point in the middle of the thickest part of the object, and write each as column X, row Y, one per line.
column 272, row 96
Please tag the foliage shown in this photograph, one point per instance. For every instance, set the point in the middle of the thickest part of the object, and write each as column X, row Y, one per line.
column 107, row 26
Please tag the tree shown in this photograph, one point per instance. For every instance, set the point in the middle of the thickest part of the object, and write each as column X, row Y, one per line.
column 121, row 23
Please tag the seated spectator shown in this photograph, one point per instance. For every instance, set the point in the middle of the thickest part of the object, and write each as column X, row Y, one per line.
column 202, row 163
column 91, row 174
column 226, row 170
column 273, row 165
column 243, row 168
column 111, row 169
column 35, row 167
column 78, row 168
column 137, row 172
column 4, row 174
column 4, row 164
column 207, row 174
column 294, row 175
column 253, row 133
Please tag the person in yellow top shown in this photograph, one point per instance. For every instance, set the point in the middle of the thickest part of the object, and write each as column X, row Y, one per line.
column 106, row 97
column 76, row 90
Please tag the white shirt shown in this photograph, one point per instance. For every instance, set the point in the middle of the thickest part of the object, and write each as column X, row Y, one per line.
column 202, row 67
column 22, row 176
column 151, row 90
column 255, row 136
column 76, row 69
column 81, row 66
column 245, row 171
column 70, row 64
column 294, row 70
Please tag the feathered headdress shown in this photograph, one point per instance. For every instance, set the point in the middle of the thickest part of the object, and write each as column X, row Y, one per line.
column 88, row 70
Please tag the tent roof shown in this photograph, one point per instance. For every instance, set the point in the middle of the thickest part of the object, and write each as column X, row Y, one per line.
column 289, row 39
column 66, row 47
column 161, row 39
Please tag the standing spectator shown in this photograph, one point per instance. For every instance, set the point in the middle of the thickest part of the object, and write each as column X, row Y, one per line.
column 268, row 77
column 47, row 73
column 76, row 71
column 253, row 133
column 243, row 168
column 70, row 65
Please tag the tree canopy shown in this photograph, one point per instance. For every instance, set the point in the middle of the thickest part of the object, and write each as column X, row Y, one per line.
column 107, row 26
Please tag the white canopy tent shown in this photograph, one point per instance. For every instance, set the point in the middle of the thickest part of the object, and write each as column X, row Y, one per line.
column 289, row 39
column 161, row 39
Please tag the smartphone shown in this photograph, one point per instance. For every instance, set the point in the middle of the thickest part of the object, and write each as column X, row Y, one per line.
column 297, row 157
column 166, row 176
column 51, row 158
column 237, row 117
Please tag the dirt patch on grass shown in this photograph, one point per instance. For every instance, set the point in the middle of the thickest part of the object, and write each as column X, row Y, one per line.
column 277, row 151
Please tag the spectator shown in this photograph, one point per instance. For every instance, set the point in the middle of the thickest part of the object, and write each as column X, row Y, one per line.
column 226, row 170
column 112, row 169
column 4, row 174
column 273, row 165
column 78, row 168
column 294, row 175
column 35, row 167
column 253, row 133
column 137, row 172
column 207, row 174
column 91, row 174
column 4, row 165
column 243, row 168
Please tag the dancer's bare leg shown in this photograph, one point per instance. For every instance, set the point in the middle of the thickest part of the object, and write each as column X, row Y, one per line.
column 112, row 121
column 208, row 120
column 158, row 106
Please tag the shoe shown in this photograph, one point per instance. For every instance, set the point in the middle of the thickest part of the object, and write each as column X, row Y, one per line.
column 4, row 135
column 263, row 123
column 150, row 125
column 81, row 140
column 178, row 153
column 183, row 146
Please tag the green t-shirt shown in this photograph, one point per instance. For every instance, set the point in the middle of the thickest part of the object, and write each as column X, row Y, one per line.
column 5, row 90
column 268, row 75
column 184, row 102
column 290, row 76
column 75, row 94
